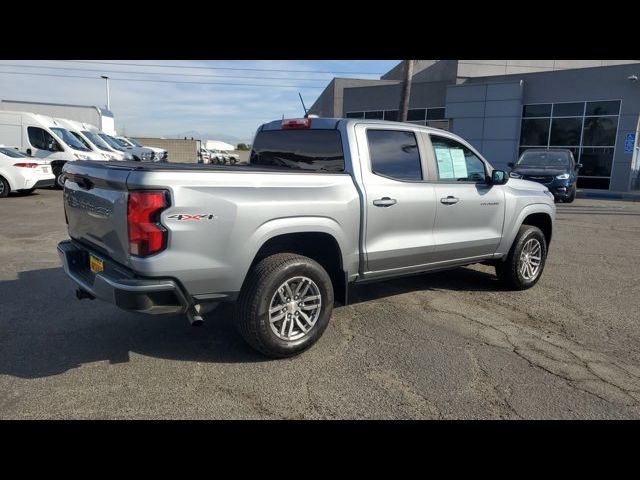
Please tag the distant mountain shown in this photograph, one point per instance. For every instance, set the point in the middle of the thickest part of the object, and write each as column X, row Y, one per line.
column 209, row 136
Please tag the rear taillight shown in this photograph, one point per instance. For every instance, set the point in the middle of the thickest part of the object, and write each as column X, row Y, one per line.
column 296, row 123
column 25, row 165
column 146, row 234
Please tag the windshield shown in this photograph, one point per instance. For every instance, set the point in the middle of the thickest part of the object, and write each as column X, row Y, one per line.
column 69, row 139
column 81, row 139
column 111, row 141
column 544, row 159
column 96, row 140
column 133, row 142
column 9, row 152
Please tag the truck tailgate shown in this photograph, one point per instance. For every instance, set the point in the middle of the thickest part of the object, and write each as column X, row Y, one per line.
column 95, row 202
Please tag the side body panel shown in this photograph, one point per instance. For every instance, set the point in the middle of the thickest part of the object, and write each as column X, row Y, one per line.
column 243, row 210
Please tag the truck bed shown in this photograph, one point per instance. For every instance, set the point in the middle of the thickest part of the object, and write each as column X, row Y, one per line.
column 187, row 167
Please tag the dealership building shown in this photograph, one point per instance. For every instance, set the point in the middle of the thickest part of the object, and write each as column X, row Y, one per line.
column 503, row 107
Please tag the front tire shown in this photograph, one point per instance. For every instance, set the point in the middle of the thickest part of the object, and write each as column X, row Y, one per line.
column 572, row 196
column 526, row 259
column 285, row 305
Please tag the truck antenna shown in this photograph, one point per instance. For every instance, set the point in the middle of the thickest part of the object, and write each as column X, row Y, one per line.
column 304, row 108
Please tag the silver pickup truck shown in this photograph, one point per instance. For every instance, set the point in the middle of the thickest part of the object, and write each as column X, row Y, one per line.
column 322, row 204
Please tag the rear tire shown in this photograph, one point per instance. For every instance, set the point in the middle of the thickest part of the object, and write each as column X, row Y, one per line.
column 57, row 171
column 529, row 247
column 262, row 309
column 4, row 188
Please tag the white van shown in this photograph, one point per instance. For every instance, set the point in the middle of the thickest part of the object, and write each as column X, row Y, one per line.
column 43, row 138
column 83, row 133
column 103, row 142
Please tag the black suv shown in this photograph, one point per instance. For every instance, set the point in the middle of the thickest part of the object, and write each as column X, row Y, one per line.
column 556, row 169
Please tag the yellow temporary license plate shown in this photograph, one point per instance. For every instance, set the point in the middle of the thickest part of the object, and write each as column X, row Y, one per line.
column 96, row 264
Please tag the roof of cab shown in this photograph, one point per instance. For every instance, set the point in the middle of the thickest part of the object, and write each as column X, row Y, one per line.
column 331, row 123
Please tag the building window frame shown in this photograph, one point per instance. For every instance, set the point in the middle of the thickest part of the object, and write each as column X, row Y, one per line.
column 581, row 146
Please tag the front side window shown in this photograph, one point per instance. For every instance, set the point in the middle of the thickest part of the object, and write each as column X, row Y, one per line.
column 111, row 141
column 457, row 163
column 133, row 142
column 41, row 139
column 316, row 150
column 96, row 140
column 69, row 139
column 394, row 153
column 81, row 139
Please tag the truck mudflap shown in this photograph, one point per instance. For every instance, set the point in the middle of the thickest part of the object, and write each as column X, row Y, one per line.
column 119, row 286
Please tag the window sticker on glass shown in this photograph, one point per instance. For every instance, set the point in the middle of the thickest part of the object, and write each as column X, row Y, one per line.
column 459, row 163
column 445, row 164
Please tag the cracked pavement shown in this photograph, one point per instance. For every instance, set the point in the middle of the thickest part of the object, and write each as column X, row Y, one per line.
column 447, row 345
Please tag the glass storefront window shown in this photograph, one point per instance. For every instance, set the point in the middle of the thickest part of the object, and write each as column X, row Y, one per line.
column 541, row 110
column 600, row 131
column 568, row 109
column 374, row 115
column 579, row 127
column 603, row 108
column 535, row 131
column 565, row 131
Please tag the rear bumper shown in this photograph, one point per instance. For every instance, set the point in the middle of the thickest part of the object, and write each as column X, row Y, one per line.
column 49, row 182
column 120, row 287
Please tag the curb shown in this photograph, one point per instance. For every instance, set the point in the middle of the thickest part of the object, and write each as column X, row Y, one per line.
column 628, row 197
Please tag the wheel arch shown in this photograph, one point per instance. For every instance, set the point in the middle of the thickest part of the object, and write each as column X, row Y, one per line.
column 317, row 244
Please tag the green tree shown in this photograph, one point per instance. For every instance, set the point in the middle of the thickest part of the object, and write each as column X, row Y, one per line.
column 242, row 146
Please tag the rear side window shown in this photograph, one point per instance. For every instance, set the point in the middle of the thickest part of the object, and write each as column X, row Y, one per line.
column 394, row 153
column 312, row 150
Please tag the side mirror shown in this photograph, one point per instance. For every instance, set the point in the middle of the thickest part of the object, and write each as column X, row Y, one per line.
column 578, row 166
column 510, row 164
column 499, row 177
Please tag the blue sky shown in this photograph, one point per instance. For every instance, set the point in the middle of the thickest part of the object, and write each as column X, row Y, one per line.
column 229, row 112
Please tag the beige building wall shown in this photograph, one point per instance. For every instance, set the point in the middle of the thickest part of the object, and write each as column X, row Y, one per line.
column 180, row 151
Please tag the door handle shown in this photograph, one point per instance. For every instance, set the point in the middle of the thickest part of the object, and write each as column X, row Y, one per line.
column 450, row 200
column 385, row 202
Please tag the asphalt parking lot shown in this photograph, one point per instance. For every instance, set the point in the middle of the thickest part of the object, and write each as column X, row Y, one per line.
column 447, row 345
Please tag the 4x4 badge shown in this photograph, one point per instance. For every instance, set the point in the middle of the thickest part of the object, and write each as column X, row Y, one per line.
column 198, row 217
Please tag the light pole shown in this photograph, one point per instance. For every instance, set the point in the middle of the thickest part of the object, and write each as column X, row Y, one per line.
column 108, row 100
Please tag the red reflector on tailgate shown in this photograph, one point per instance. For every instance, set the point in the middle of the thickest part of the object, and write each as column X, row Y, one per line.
column 146, row 234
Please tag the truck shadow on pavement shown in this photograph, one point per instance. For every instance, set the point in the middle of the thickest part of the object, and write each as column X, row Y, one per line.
column 45, row 330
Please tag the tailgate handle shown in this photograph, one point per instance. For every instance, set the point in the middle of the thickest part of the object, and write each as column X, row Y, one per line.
column 84, row 182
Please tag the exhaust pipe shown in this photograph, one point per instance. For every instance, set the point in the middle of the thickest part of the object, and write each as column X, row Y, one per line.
column 82, row 294
column 194, row 316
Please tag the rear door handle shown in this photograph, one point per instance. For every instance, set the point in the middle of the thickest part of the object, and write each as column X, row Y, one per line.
column 450, row 200
column 385, row 202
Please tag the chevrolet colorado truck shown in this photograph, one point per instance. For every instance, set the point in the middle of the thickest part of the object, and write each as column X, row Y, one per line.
column 323, row 204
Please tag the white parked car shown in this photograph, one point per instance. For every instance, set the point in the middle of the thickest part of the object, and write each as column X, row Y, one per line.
column 21, row 173
column 140, row 154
